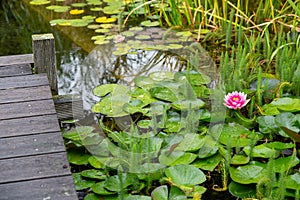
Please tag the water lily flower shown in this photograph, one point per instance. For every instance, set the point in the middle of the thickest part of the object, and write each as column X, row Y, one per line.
column 119, row 38
column 236, row 100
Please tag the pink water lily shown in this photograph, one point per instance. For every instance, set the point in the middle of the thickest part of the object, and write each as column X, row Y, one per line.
column 236, row 100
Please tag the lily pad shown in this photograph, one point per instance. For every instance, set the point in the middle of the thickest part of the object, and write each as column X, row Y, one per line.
column 293, row 181
column 185, row 175
column 160, row 193
column 191, row 142
column 251, row 173
column 261, row 151
column 39, row 2
column 176, row 157
column 242, row 191
column 148, row 23
column 286, row 163
column 209, row 163
column 239, row 159
column 114, row 184
column 236, row 135
column 76, row 12
column 98, row 188
column 94, row 174
column 78, row 4
column 81, row 183
column 105, row 20
column 57, row 8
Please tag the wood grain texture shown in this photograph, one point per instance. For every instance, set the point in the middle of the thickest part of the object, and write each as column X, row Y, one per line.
column 15, row 70
column 16, row 59
column 34, row 167
column 26, row 109
column 31, row 145
column 28, row 126
column 25, row 94
column 23, row 81
column 58, row 188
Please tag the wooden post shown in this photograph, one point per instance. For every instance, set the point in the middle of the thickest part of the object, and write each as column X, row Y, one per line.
column 44, row 58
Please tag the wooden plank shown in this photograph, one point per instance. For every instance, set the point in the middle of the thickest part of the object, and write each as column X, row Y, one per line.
column 25, row 94
column 26, row 109
column 31, row 145
column 59, row 188
column 16, row 59
column 23, row 81
column 34, row 167
column 15, row 70
column 28, row 126
column 69, row 106
column 44, row 44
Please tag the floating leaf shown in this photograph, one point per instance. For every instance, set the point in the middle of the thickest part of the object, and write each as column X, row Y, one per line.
column 96, row 9
column 209, row 163
column 56, row 8
column 81, row 183
column 105, row 20
column 251, row 173
column 185, row 175
column 239, row 159
column 142, row 37
column 94, row 174
column 113, row 183
column 293, row 181
column 160, row 193
column 39, row 2
column 148, row 23
column 284, row 164
column 78, row 4
column 242, row 191
column 102, row 30
column 76, row 12
column 61, row 22
column 261, row 151
column 191, row 142
column 98, row 188
column 77, row 157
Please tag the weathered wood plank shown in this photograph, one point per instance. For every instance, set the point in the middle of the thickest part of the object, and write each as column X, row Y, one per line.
column 16, row 59
column 59, row 188
column 15, row 70
column 69, row 106
column 25, row 94
column 45, row 58
column 31, row 145
column 28, row 125
column 26, row 109
column 34, row 167
column 23, row 81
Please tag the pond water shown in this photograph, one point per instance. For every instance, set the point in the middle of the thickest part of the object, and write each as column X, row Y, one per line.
column 81, row 64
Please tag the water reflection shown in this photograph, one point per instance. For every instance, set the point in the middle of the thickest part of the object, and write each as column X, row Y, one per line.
column 80, row 74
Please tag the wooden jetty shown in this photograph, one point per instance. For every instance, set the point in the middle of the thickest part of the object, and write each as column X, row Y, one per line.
column 33, row 161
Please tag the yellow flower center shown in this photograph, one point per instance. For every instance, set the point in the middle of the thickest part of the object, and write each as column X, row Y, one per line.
column 236, row 98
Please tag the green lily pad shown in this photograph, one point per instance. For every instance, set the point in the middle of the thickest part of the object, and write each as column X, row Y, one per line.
column 39, row 2
column 236, row 135
column 81, row 183
column 194, row 77
column 78, row 157
column 113, row 183
column 79, row 133
column 239, row 159
column 191, row 142
column 188, row 104
column 287, row 120
column 56, row 8
column 267, row 124
column 102, row 30
column 96, row 9
column 99, row 188
column 142, row 37
column 284, row 104
column 285, row 163
column 164, row 93
column 137, row 197
column 94, row 174
column 293, row 181
column 185, row 175
column 78, row 4
column 209, row 163
column 160, row 193
column 91, row 196
column 103, row 90
column 176, row 157
column 94, row 162
column 242, row 191
column 148, row 23
column 162, row 75
column 280, row 145
column 261, row 151
column 251, row 173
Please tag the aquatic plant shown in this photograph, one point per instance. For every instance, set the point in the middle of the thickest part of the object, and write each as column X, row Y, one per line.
column 236, row 100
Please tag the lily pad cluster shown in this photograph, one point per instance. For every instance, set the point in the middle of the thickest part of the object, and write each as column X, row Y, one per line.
column 153, row 142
